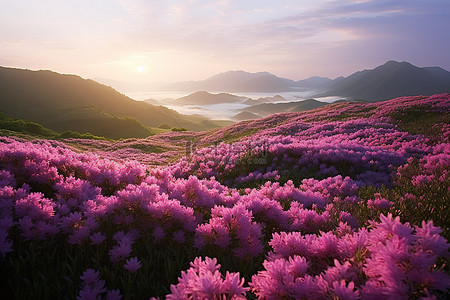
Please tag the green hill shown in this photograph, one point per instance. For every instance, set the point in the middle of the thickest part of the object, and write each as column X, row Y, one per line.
column 21, row 128
column 59, row 102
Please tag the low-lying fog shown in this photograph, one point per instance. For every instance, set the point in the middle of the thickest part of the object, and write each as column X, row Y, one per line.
column 223, row 110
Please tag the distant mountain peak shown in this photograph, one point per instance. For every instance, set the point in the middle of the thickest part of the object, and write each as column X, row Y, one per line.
column 206, row 98
column 239, row 81
column 200, row 93
column 394, row 63
column 391, row 62
column 390, row 80
column 239, row 73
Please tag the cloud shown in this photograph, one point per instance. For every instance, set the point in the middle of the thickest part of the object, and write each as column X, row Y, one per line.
column 293, row 37
column 276, row 35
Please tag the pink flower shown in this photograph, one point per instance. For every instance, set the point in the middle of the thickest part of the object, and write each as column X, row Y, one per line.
column 379, row 203
column 343, row 291
column 204, row 281
column 231, row 224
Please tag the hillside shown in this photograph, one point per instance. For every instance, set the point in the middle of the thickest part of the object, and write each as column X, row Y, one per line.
column 349, row 200
column 393, row 79
column 31, row 130
column 261, row 100
column 313, row 82
column 40, row 96
column 245, row 115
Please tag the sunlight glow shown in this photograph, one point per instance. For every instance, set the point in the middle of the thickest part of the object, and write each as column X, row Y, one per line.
column 169, row 41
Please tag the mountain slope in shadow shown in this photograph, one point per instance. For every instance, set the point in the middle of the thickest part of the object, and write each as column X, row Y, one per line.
column 393, row 79
column 40, row 96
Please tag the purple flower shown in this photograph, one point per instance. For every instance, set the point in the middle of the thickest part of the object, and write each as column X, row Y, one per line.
column 179, row 236
column 113, row 295
column 158, row 233
column 133, row 264
column 349, row 219
column 97, row 238
column 92, row 286
column 379, row 203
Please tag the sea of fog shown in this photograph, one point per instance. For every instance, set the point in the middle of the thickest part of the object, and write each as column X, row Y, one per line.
column 223, row 110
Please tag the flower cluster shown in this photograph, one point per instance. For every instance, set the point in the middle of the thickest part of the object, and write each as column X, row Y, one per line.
column 231, row 226
column 300, row 190
column 204, row 281
column 391, row 260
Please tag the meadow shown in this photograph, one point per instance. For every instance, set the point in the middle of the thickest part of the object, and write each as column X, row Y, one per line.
column 347, row 201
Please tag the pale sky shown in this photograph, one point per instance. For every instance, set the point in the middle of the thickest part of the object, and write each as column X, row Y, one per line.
column 172, row 40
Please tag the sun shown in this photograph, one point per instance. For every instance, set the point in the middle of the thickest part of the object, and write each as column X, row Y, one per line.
column 140, row 69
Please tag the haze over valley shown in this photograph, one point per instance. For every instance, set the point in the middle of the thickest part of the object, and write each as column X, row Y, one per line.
column 63, row 101
column 224, row 95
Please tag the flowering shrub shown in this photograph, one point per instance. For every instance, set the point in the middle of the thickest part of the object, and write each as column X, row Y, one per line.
column 204, row 281
column 303, row 205
column 231, row 227
column 390, row 260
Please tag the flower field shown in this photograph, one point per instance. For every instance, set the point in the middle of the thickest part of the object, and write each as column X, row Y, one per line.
column 348, row 201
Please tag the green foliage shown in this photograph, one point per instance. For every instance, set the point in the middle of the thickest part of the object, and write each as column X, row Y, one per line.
column 17, row 127
column 427, row 204
column 421, row 120
column 229, row 137
column 52, row 269
column 106, row 126
column 248, row 163
column 42, row 270
column 164, row 126
column 149, row 148
column 76, row 135
column 179, row 129
column 26, row 127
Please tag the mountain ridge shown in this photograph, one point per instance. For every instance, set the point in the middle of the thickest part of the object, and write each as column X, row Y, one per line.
column 390, row 80
column 238, row 82
column 206, row 98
